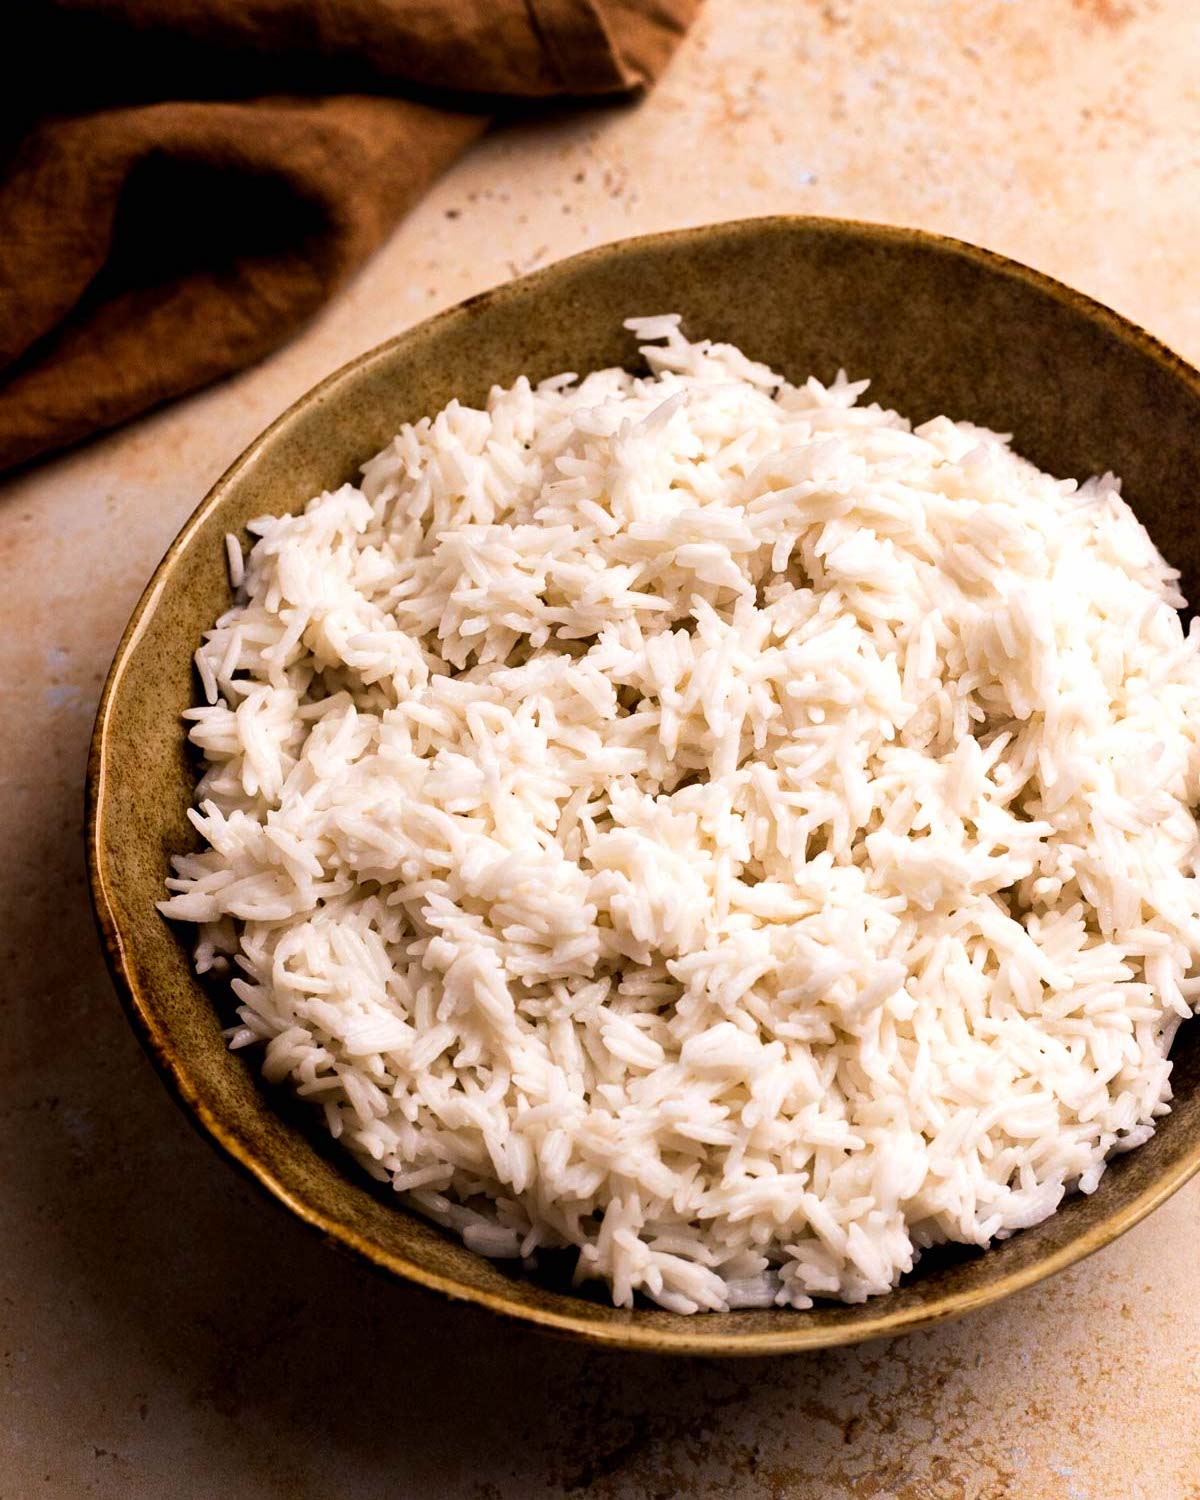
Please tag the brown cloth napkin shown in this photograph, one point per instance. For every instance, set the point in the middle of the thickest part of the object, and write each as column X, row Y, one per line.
column 184, row 182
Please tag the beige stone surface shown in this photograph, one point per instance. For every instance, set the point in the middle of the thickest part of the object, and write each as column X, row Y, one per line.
column 165, row 1333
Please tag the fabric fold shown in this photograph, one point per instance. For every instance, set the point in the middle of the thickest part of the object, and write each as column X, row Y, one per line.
column 201, row 175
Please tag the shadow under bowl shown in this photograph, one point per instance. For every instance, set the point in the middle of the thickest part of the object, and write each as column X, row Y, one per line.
column 939, row 326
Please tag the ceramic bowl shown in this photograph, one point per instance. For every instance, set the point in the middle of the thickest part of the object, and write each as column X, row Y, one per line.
column 939, row 327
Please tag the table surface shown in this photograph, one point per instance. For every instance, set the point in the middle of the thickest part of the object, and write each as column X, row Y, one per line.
column 163, row 1331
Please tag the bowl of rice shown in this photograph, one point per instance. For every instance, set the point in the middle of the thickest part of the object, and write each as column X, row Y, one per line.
column 662, row 801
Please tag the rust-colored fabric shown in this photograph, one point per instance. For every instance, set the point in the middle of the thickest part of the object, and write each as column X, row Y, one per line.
column 184, row 182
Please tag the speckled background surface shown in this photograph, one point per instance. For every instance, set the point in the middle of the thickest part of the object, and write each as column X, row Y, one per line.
column 163, row 1333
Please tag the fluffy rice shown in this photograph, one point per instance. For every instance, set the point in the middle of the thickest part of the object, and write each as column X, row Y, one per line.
column 708, row 823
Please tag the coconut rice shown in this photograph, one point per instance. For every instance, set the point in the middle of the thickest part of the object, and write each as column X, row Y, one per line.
column 706, row 823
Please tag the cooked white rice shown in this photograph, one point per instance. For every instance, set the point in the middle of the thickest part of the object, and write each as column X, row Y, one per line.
column 707, row 823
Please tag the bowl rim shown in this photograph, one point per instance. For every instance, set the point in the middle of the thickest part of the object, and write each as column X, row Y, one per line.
column 795, row 1334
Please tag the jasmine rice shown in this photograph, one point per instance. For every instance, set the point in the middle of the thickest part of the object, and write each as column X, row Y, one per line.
column 706, row 823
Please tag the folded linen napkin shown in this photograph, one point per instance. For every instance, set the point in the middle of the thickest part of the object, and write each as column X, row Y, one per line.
column 184, row 182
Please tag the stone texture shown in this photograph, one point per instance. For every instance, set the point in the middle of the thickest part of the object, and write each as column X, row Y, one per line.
column 163, row 1332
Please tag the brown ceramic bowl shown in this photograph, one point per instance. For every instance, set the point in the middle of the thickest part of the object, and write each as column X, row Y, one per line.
column 940, row 327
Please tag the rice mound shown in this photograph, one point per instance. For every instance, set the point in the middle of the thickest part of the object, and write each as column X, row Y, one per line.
column 708, row 823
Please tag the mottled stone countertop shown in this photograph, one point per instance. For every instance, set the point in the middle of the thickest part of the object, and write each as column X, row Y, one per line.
column 166, row 1333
